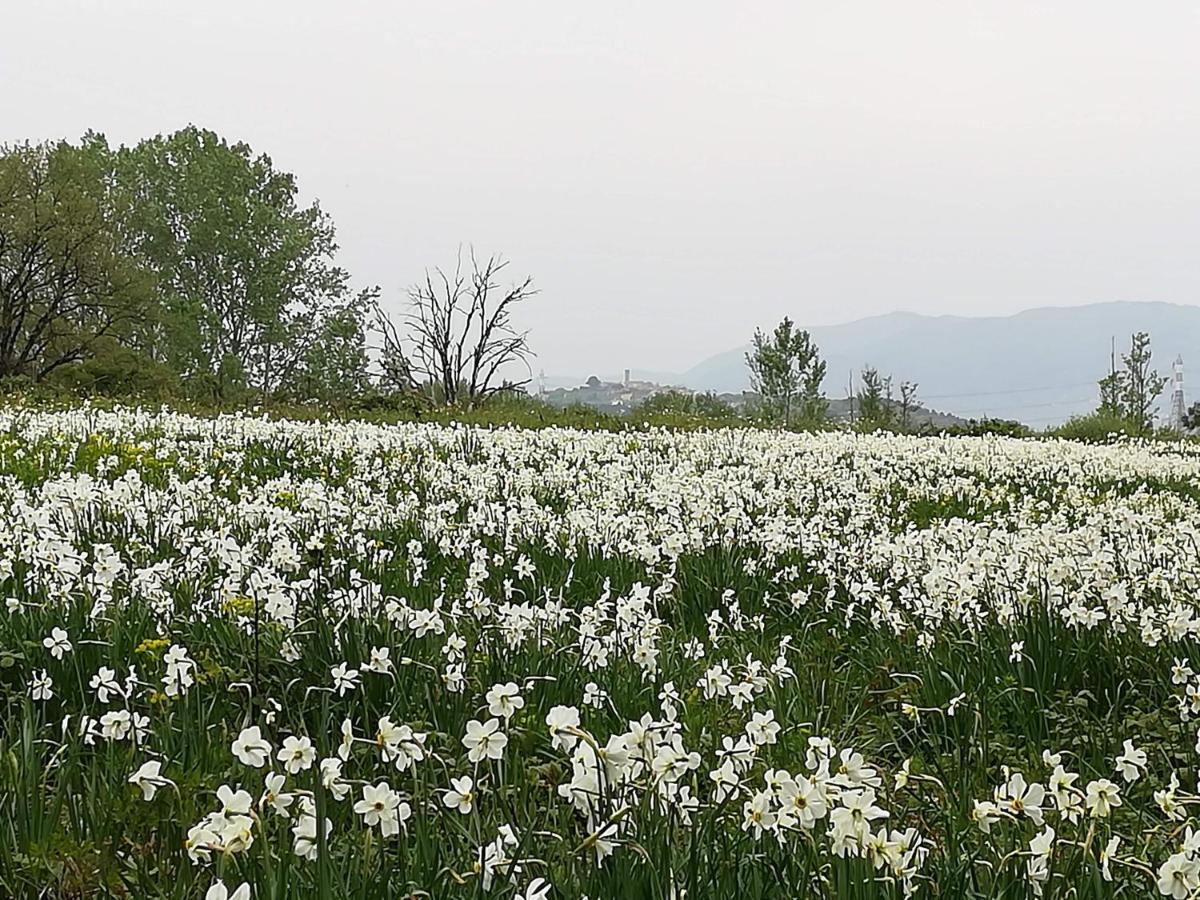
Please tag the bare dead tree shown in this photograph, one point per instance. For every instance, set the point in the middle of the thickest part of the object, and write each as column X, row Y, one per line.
column 458, row 333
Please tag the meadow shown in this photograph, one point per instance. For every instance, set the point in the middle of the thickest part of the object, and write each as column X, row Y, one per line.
column 273, row 659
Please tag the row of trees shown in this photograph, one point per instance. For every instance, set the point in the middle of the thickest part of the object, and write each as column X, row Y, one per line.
column 786, row 371
column 188, row 262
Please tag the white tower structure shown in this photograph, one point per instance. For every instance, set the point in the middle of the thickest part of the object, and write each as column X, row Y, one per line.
column 1177, row 405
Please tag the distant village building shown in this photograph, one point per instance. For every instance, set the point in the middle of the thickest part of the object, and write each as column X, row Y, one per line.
column 608, row 396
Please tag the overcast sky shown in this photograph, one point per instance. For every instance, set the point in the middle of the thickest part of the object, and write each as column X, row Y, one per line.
column 674, row 173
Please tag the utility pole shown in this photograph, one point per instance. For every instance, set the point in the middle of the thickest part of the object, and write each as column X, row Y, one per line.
column 850, row 394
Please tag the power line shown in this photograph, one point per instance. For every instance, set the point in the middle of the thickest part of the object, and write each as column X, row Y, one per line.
column 1050, row 387
column 1033, row 405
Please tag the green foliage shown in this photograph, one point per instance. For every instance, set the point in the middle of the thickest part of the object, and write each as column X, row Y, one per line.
column 875, row 408
column 66, row 282
column 1129, row 393
column 786, row 370
column 980, row 427
column 181, row 266
column 334, row 370
column 1097, row 427
column 245, row 274
column 684, row 406
column 1191, row 418
column 115, row 370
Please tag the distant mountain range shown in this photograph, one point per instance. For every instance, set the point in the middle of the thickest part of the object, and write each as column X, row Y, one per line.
column 1039, row 366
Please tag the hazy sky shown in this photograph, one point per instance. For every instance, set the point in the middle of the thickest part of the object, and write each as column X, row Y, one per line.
column 674, row 173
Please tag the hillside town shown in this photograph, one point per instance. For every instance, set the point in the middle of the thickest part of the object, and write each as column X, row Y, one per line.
column 625, row 396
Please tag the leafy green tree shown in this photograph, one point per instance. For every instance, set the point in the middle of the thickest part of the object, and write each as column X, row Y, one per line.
column 1129, row 393
column 245, row 272
column 786, row 370
column 335, row 367
column 66, row 283
column 875, row 408
column 1142, row 385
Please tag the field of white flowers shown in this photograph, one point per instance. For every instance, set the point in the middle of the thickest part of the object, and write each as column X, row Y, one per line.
column 249, row 658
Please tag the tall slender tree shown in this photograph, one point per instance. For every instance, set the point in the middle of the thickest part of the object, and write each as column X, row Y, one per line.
column 875, row 401
column 1141, row 385
column 786, row 370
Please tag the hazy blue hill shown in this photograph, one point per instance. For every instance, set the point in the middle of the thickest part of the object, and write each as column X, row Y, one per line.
column 1039, row 366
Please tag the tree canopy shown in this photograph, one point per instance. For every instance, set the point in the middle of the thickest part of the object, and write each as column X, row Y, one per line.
column 67, row 282
column 786, row 370
column 190, row 261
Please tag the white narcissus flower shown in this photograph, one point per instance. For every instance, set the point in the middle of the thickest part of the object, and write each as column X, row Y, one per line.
column 1101, row 797
column 484, row 740
column 1131, row 762
column 504, row 700
column 758, row 813
column 58, row 643
column 178, row 677
column 804, row 802
column 1106, row 857
column 41, row 688
column 1018, row 797
column 305, row 842
column 1043, row 843
column 562, row 720
column 1179, row 876
column 344, row 679
column 149, row 779
column 762, row 728
column 985, row 813
column 275, row 796
column 381, row 662
column 234, row 803
column 346, row 744
column 1167, row 801
column 726, row 779
column 250, row 748
column 116, row 725
column 297, row 754
column 382, row 806
column 331, row 778
column 104, row 683
column 461, row 795
column 289, row 652
column 539, row 889
column 594, row 695
column 219, row 892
